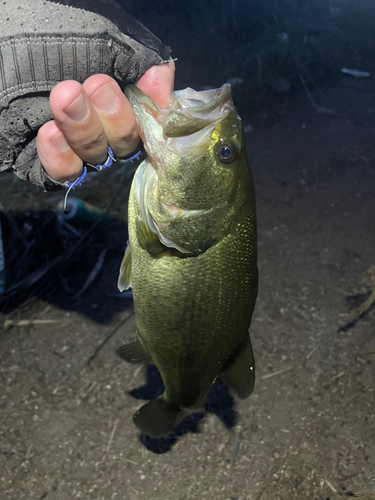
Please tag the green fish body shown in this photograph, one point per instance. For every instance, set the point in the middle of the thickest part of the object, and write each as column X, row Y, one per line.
column 191, row 258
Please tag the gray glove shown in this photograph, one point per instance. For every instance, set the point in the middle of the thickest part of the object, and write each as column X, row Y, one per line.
column 46, row 41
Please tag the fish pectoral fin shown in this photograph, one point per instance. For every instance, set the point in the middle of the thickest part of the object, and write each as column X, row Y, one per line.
column 147, row 239
column 158, row 418
column 240, row 374
column 124, row 279
column 134, row 352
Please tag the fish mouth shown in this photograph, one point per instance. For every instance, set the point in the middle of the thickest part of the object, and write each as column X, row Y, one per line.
column 189, row 111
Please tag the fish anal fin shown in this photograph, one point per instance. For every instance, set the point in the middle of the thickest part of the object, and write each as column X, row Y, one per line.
column 134, row 352
column 124, row 279
column 240, row 373
column 147, row 239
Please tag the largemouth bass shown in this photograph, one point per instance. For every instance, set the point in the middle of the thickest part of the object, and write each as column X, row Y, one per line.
column 191, row 257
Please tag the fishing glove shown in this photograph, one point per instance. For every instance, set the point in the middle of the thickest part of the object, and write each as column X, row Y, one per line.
column 43, row 42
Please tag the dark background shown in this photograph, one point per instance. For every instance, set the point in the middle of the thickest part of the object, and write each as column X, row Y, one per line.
column 269, row 44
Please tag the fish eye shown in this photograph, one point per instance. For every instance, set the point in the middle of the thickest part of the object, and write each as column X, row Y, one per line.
column 226, row 152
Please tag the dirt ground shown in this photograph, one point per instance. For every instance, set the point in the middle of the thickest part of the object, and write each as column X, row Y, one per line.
column 308, row 431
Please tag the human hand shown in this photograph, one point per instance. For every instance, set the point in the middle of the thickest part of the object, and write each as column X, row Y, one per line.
column 91, row 116
column 47, row 41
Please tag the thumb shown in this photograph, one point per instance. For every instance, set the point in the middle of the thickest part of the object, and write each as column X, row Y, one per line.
column 158, row 83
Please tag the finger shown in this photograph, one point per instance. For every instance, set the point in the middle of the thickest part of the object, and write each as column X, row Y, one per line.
column 58, row 159
column 99, row 122
column 115, row 112
column 78, row 120
column 158, row 83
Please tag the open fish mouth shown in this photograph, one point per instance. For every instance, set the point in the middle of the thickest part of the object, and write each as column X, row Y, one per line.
column 189, row 119
column 191, row 111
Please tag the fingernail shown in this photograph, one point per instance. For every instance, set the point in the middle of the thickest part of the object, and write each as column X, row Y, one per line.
column 78, row 110
column 60, row 143
column 105, row 98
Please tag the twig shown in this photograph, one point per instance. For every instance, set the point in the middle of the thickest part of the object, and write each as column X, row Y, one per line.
column 64, row 283
column 90, row 389
column 335, row 377
column 45, row 311
column 330, row 486
column 321, row 110
column 27, row 322
column 357, row 313
column 109, row 336
column 136, row 373
column 127, row 460
column 112, row 434
column 312, row 351
column 357, row 155
column 94, row 273
column 269, row 375
column 13, row 368
column 236, row 447
column 28, row 453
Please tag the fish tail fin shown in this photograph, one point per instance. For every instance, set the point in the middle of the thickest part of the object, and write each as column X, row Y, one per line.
column 158, row 418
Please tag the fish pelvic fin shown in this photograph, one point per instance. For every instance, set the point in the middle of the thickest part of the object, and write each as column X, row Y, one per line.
column 134, row 352
column 158, row 418
column 240, row 373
